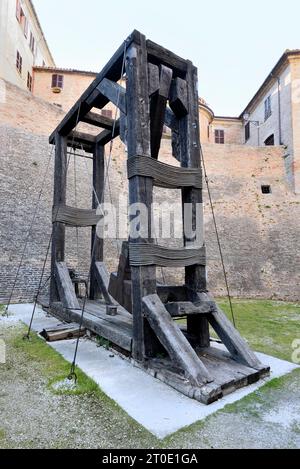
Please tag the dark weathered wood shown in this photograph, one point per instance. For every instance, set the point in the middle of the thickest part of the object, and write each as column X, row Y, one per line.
column 186, row 308
column 195, row 275
column 171, row 293
column 140, row 188
column 178, row 97
column 62, row 332
column 73, row 216
column 158, row 104
column 153, row 78
column 159, row 55
column 174, row 341
column 171, row 120
column 98, row 120
column 59, row 198
column 65, row 286
column 107, row 135
column 114, row 93
column 97, row 198
column 112, row 71
column 122, row 274
column 115, row 329
column 230, row 337
column 102, row 277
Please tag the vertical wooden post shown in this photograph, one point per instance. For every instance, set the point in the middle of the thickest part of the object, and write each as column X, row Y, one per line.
column 59, row 197
column 98, row 197
column 195, row 276
column 140, row 188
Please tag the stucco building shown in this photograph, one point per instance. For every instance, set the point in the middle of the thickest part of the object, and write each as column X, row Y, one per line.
column 22, row 43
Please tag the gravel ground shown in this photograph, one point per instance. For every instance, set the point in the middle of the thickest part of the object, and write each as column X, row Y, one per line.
column 32, row 416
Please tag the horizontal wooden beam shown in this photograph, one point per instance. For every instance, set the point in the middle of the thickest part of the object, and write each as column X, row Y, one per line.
column 186, row 308
column 98, row 121
column 159, row 55
column 81, row 137
column 107, row 135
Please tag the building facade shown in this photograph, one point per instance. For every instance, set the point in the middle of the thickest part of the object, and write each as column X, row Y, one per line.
column 22, row 43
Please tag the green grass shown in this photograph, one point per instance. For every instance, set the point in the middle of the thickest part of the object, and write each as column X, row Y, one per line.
column 269, row 326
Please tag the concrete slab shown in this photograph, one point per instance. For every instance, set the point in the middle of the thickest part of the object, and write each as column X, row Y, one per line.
column 153, row 404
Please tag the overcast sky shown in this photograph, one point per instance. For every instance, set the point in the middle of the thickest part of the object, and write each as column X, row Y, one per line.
column 234, row 43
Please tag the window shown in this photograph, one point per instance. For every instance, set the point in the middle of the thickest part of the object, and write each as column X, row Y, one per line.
column 247, row 131
column 29, row 81
column 32, row 43
column 266, row 189
column 219, row 136
column 19, row 62
column 106, row 113
column 25, row 27
column 57, row 81
column 208, row 132
column 270, row 140
column 268, row 108
column 20, row 15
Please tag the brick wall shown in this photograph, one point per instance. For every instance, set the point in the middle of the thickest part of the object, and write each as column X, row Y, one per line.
column 259, row 233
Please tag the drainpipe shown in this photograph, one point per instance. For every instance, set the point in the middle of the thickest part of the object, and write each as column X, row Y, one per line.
column 279, row 108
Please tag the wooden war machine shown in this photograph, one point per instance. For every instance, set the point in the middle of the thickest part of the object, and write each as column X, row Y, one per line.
column 130, row 309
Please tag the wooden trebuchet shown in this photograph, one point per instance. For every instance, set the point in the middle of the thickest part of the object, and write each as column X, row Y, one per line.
column 129, row 307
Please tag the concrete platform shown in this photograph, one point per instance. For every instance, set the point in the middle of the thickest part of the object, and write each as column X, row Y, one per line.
column 156, row 406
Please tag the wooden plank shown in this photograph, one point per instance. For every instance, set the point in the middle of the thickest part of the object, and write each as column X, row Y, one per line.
column 59, row 198
column 63, row 332
column 171, row 293
column 81, row 137
column 195, row 275
column 178, row 97
column 112, row 71
column 107, row 135
column 97, row 243
column 185, row 308
column 114, row 93
column 174, row 341
column 102, row 278
column 140, row 188
column 153, row 78
column 114, row 332
column 65, row 286
column 158, row 103
column 98, row 120
column 73, row 216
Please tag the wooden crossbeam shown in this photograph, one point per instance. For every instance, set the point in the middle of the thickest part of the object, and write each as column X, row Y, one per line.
column 185, row 308
column 107, row 135
column 159, row 55
column 81, row 137
column 98, row 121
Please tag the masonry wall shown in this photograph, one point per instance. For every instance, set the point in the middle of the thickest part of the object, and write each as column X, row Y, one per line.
column 259, row 233
column 233, row 130
column 74, row 85
column 295, row 163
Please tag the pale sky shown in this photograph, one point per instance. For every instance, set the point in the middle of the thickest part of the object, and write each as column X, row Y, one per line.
column 234, row 43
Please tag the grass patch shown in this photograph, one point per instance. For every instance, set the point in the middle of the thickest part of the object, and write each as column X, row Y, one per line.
column 54, row 367
column 269, row 326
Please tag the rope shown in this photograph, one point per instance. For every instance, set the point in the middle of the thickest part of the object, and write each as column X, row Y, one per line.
column 217, row 236
column 72, row 374
column 29, row 234
column 27, row 336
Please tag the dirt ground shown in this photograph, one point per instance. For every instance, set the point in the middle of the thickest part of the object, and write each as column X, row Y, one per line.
column 32, row 415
